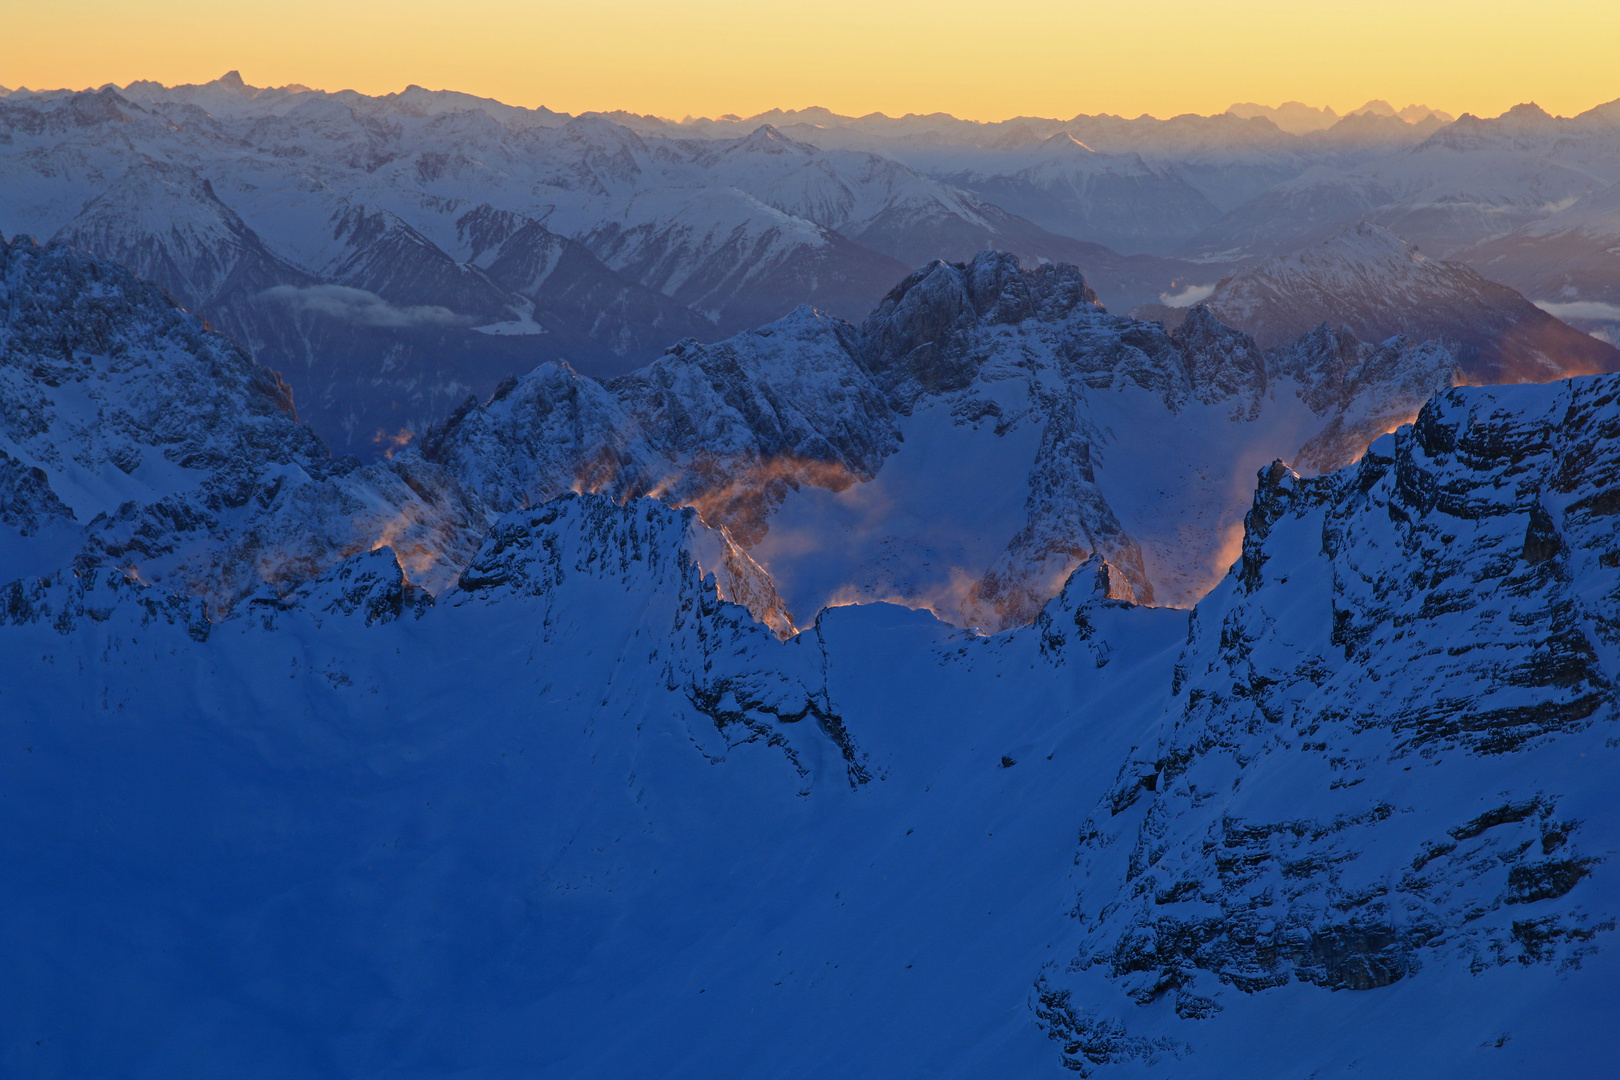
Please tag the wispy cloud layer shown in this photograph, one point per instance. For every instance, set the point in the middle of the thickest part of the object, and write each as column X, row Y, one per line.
column 1187, row 297
column 361, row 307
column 1581, row 309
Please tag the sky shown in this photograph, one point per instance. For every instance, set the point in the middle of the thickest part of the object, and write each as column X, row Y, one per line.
column 981, row 60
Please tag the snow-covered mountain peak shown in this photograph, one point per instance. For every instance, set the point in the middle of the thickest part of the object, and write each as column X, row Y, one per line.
column 1222, row 363
column 134, row 438
column 371, row 586
column 725, row 427
column 1526, row 114
column 601, row 135
column 1524, row 127
column 1364, row 247
column 165, row 222
column 920, row 339
column 766, row 139
column 1064, row 147
column 147, row 193
column 991, row 289
column 68, row 115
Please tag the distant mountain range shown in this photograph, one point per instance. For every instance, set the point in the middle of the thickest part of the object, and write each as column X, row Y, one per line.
column 391, row 255
column 1297, row 118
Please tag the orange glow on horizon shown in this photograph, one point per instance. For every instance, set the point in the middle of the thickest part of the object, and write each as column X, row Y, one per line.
column 710, row 57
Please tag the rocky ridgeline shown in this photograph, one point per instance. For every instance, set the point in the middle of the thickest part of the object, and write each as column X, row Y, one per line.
column 145, row 442
column 812, row 401
column 1374, row 757
column 706, row 615
column 689, row 603
column 134, row 438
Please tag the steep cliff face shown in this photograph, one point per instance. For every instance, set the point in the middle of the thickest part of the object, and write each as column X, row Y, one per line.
column 975, row 439
column 135, row 438
column 1380, row 756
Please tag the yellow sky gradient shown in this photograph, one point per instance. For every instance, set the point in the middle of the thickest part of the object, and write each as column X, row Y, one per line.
column 981, row 60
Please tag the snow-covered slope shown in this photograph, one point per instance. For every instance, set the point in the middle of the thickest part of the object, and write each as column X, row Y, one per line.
column 1358, row 818
column 1370, row 280
column 165, row 223
column 131, row 437
column 982, row 433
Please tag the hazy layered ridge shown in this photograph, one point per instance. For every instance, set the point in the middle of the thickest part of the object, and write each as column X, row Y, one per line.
column 1466, row 183
column 391, row 254
column 1370, row 281
column 1303, row 839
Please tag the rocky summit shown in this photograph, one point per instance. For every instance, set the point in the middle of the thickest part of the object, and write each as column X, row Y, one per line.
column 963, row 449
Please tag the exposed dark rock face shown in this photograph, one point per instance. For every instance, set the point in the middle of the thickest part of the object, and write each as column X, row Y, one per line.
column 920, row 339
column 1442, row 605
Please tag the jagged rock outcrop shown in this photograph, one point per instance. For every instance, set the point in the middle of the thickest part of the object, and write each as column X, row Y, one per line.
column 724, row 427
column 150, row 444
column 1353, row 779
column 1041, row 393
